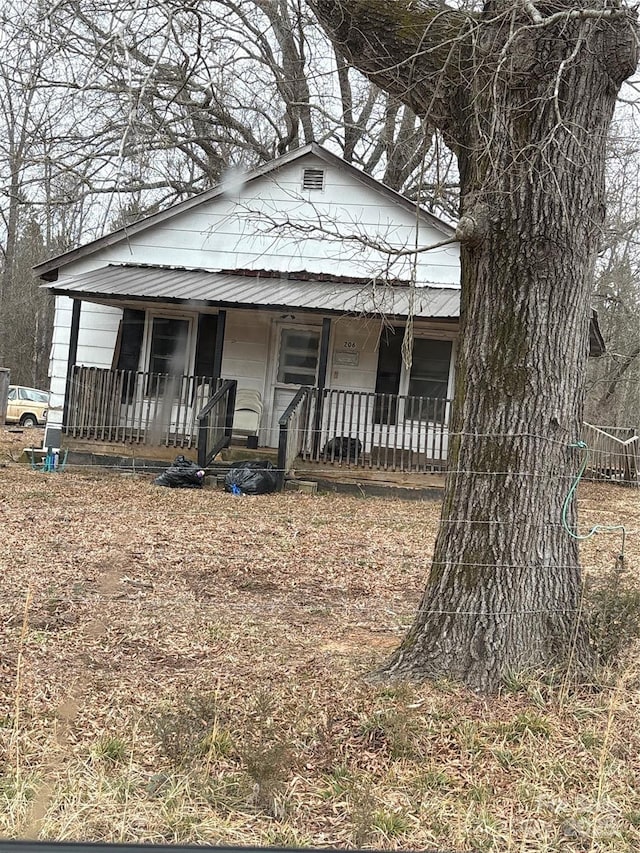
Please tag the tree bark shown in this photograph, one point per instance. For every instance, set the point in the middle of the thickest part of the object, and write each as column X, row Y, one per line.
column 527, row 107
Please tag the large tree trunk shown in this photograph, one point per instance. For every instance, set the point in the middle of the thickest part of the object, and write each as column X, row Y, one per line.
column 528, row 118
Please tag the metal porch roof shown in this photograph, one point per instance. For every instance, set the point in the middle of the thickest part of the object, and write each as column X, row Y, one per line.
column 161, row 283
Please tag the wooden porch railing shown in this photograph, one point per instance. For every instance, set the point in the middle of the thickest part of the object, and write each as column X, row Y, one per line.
column 215, row 423
column 387, row 432
column 294, row 431
column 365, row 430
column 614, row 454
column 136, row 406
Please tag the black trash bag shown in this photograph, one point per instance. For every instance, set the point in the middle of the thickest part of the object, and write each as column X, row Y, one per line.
column 251, row 478
column 343, row 447
column 181, row 474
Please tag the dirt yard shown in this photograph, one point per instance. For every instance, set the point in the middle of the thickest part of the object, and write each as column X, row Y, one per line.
column 189, row 666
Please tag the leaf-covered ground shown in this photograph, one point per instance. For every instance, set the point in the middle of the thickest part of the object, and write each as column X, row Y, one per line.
column 189, row 666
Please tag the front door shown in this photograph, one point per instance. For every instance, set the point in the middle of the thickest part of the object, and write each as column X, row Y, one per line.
column 298, row 348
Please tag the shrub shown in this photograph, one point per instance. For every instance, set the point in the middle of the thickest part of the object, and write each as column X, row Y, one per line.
column 192, row 730
column 111, row 750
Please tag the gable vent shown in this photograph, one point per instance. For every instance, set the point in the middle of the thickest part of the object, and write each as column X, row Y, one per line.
column 313, row 179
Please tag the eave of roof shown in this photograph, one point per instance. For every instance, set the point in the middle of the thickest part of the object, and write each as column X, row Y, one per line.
column 363, row 297
column 51, row 265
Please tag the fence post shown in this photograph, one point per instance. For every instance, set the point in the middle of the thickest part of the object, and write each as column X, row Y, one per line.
column 283, row 436
column 231, row 409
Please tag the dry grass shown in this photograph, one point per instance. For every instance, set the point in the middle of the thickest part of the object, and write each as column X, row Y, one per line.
column 187, row 666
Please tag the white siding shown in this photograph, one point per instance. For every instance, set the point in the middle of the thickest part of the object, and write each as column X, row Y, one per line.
column 247, row 229
column 97, row 335
column 246, row 349
column 58, row 359
column 96, row 342
column 353, row 339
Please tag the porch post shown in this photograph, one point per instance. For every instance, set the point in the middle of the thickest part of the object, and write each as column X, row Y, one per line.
column 217, row 355
column 322, row 380
column 71, row 358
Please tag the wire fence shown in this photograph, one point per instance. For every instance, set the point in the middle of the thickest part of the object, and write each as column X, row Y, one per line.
column 80, row 847
column 355, row 430
column 577, row 468
column 610, row 460
column 122, row 579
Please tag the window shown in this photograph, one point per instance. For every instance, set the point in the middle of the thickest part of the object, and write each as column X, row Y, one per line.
column 12, row 394
column 430, row 368
column 168, row 351
column 298, row 363
column 313, row 179
column 429, row 378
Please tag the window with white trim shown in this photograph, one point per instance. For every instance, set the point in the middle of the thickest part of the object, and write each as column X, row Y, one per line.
column 429, row 378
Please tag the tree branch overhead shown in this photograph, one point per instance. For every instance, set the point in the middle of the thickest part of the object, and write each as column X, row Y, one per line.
column 414, row 51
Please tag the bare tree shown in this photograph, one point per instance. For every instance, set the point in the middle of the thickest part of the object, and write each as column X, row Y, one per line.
column 178, row 92
column 613, row 387
column 524, row 94
column 110, row 111
column 42, row 175
column 27, row 325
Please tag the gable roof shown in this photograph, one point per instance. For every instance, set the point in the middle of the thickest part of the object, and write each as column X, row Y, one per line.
column 48, row 269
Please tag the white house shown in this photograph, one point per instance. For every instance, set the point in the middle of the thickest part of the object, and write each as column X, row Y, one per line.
column 299, row 275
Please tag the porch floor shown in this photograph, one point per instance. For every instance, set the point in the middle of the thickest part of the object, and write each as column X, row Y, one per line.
column 127, row 450
column 331, row 474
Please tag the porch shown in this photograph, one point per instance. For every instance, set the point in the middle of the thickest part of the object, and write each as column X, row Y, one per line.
column 324, row 433
column 329, row 428
column 360, row 431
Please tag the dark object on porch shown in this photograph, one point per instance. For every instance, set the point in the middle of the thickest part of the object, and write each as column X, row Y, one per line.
column 343, row 448
column 251, row 478
column 182, row 474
